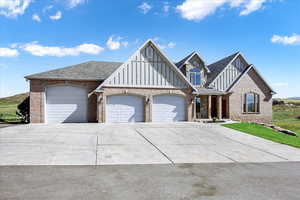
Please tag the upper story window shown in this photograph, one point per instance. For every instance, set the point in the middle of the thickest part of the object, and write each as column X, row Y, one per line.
column 251, row 103
column 194, row 76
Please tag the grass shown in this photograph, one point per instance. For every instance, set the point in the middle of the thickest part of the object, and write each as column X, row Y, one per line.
column 266, row 133
column 290, row 100
column 285, row 116
column 8, row 108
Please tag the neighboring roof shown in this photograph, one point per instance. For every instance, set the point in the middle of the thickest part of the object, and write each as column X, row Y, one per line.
column 208, row 91
column 245, row 72
column 96, row 71
column 151, row 42
column 217, row 67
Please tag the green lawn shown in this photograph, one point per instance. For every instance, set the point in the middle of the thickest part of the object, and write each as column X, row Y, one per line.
column 8, row 107
column 266, row 133
column 8, row 112
column 285, row 117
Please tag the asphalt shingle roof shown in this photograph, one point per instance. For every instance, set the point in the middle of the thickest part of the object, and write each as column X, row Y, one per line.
column 96, row 71
column 217, row 67
column 178, row 64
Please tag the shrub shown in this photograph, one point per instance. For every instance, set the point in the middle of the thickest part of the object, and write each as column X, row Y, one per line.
column 23, row 111
column 277, row 102
column 1, row 117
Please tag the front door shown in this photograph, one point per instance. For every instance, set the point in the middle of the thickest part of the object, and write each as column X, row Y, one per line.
column 214, row 111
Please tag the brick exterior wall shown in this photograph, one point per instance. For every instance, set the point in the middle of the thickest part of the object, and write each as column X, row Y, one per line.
column 250, row 82
column 37, row 97
column 146, row 93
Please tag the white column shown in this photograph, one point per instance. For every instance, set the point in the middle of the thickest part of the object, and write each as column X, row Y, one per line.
column 219, row 107
column 209, row 107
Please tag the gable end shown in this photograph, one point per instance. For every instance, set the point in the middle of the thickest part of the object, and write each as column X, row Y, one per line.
column 148, row 67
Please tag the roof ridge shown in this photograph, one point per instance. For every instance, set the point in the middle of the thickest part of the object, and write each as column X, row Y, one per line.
column 94, row 69
column 232, row 55
column 71, row 66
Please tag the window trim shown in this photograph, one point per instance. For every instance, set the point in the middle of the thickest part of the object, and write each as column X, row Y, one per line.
column 256, row 103
column 195, row 76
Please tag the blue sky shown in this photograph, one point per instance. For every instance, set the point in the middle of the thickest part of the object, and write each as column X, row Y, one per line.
column 40, row 35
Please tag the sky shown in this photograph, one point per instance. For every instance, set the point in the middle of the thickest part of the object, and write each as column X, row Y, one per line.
column 41, row 35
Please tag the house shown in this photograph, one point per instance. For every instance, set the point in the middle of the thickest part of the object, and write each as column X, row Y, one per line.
column 149, row 87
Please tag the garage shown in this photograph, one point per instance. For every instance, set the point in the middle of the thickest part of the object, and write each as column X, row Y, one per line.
column 124, row 108
column 168, row 109
column 66, row 104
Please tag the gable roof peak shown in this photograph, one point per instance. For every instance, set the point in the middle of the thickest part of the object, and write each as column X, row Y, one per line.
column 160, row 52
column 188, row 57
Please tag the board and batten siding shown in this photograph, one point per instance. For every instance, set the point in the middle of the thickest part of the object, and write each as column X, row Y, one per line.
column 225, row 79
column 147, row 68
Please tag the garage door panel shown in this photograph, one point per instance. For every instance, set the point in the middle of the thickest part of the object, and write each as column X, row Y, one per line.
column 168, row 109
column 66, row 104
column 125, row 108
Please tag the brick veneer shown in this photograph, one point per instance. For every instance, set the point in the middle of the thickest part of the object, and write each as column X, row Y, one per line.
column 146, row 93
column 250, row 82
column 37, row 97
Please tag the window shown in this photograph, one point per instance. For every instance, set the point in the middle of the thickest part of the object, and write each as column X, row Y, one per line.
column 195, row 76
column 149, row 52
column 251, row 103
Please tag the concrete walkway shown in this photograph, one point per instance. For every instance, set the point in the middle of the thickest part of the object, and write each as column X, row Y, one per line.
column 145, row 143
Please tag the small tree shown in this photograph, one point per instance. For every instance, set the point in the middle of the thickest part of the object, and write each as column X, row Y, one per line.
column 23, row 111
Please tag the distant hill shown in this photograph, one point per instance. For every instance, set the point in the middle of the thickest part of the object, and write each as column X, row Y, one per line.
column 18, row 98
column 294, row 98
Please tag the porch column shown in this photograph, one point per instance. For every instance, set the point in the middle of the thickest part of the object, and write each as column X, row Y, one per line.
column 219, row 107
column 148, row 108
column 209, row 107
column 99, row 107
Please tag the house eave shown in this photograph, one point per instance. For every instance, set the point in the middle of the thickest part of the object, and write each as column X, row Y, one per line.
column 61, row 79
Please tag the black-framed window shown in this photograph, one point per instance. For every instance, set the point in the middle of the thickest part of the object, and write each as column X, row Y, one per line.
column 251, row 103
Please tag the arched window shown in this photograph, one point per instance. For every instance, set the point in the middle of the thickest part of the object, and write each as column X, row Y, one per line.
column 195, row 76
column 251, row 103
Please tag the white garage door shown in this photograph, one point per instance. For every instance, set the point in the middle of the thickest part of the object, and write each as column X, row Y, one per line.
column 66, row 104
column 168, row 109
column 124, row 109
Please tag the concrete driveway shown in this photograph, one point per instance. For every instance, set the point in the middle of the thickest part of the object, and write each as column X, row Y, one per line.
column 145, row 143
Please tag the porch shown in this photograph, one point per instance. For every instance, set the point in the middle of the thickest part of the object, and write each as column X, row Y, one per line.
column 209, row 106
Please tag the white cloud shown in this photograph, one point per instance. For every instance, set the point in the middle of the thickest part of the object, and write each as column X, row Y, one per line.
column 145, row 7
column 171, row 45
column 155, row 39
column 199, row 9
column 36, row 17
column 74, row 3
column 252, row 6
column 39, row 50
column 115, row 43
column 125, row 43
column 13, row 8
column 166, row 45
column 286, row 40
column 7, row 52
column 280, row 84
column 45, row 9
column 166, row 7
column 57, row 16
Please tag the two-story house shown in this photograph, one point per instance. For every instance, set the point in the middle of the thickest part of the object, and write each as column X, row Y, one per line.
column 149, row 87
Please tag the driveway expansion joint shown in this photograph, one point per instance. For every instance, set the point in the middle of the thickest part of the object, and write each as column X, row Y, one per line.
column 165, row 155
column 259, row 149
column 96, row 161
